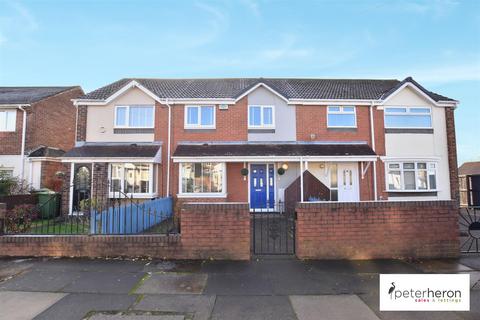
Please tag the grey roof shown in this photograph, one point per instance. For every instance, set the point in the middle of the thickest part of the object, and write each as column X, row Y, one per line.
column 361, row 89
column 469, row 169
column 27, row 95
column 46, row 152
column 131, row 150
column 259, row 149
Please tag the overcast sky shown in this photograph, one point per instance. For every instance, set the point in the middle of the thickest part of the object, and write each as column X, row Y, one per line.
column 93, row 43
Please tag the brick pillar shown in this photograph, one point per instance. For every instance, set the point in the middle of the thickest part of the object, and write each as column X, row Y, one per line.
column 99, row 190
column 65, row 190
column 81, row 123
column 3, row 212
column 452, row 153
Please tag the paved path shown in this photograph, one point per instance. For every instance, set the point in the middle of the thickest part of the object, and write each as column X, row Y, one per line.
column 276, row 289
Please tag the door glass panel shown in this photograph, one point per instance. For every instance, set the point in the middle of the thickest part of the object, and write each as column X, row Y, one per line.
column 255, row 182
column 350, row 175
column 261, row 182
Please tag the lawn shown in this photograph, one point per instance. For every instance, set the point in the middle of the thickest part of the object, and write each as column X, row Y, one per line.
column 69, row 226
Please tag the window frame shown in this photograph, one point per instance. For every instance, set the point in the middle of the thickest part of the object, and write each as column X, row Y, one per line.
column 342, row 112
column 182, row 194
column 407, row 113
column 152, row 182
column 262, row 124
column 199, row 125
column 7, row 111
column 416, row 171
column 127, row 120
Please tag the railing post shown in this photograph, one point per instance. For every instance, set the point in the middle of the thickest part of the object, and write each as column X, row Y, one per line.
column 3, row 212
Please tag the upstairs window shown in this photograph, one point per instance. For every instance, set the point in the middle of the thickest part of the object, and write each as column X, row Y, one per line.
column 135, row 116
column 261, row 117
column 8, row 119
column 411, row 176
column 199, row 117
column 408, row 117
column 341, row 117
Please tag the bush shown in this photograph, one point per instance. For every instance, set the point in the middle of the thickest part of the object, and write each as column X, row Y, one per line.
column 20, row 218
column 11, row 185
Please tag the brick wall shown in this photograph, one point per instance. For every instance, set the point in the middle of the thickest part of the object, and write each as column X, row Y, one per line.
column 48, row 178
column 218, row 231
column 377, row 230
column 81, row 133
column 11, row 142
column 452, row 153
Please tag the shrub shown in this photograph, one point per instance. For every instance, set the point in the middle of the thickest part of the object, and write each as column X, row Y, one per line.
column 11, row 185
column 20, row 218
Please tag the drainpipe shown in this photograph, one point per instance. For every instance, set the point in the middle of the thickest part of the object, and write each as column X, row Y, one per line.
column 301, row 179
column 372, row 133
column 24, row 133
column 169, row 144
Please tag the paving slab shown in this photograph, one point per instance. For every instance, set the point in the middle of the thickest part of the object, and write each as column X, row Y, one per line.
column 104, row 282
column 98, row 265
column 135, row 317
column 200, row 306
column 331, row 307
column 40, row 280
column 12, row 267
column 25, row 305
column 253, row 308
column 362, row 266
column 178, row 266
column 472, row 261
column 173, row 283
column 239, row 284
column 440, row 266
column 76, row 306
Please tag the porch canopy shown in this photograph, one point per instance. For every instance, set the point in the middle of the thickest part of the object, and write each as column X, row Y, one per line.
column 294, row 151
column 115, row 152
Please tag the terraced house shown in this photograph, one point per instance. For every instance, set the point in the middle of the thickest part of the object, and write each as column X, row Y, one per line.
column 357, row 161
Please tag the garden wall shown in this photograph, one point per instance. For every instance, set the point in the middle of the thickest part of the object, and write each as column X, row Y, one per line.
column 367, row 230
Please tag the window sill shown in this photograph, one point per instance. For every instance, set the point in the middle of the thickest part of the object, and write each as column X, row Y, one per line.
column 410, row 191
column 115, row 195
column 409, row 130
column 261, row 130
column 132, row 130
column 426, row 193
column 201, row 195
column 199, row 129
column 351, row 129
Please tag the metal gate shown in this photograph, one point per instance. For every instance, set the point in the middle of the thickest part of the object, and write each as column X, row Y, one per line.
column 273, row 231
column 469, row 223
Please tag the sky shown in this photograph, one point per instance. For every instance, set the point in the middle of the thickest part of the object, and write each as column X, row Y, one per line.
column 93, row 43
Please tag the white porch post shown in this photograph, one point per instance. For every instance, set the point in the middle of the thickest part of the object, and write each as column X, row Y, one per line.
column 301, row 179
column 70, row 200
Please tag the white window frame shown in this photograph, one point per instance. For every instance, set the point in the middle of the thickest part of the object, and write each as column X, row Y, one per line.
column 198, row 125
column 182, row 194
column 127, row 120
column 9, row 111
column 151, row 186
column 415, row 162
column 262, row 125
column 407, row 113
column 341, row 112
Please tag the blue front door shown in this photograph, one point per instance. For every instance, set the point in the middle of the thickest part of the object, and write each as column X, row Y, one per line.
column 262, row 191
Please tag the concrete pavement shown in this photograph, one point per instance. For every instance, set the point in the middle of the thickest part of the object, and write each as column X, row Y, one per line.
column 180, row 290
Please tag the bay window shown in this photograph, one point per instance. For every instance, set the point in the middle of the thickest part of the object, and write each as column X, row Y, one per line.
column 199, row 117
column 135, row 179
column 202, row 179
column 134, row 116
column 408, row 117
column 8, row 119
column 261, row 117
column 411, row 176
column 341, row 117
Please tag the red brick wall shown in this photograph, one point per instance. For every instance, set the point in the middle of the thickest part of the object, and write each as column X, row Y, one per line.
column 11, row 142
column 452, row 153
column 48, row 178
column 377, row 230
column 81, row 132
column 218, row 231
column 51, row 121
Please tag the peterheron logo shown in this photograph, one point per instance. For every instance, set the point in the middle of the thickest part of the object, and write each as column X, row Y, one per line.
column 424, row 292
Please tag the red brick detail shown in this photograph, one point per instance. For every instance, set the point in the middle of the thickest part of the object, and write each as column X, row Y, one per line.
column 65, row 192
column 452, row 153
column 51, row 121
column 11, row 142
column 81, row 133
column 370, row 230
column 208, row 231
column 49, row 178
column 379, row 128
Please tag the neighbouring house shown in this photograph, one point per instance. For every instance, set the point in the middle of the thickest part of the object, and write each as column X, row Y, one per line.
column 263, row 141
column 37, row 126
column 469, row 183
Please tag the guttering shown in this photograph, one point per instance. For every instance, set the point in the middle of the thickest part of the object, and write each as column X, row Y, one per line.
column 353, row 102
column 240, row 159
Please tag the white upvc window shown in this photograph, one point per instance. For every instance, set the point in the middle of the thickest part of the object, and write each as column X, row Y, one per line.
column 341, row 117
column 134, row 116
column 408, row 117
column 411, row 176
column 8, row 120
column 202, row 179
column 132, row 179
column 199, row 117
column 261, row 117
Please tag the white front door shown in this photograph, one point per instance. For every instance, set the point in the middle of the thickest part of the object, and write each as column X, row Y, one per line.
column 348, row 182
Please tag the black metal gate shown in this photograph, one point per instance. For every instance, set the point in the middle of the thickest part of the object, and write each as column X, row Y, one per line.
column 273, row 231
column 469, row 223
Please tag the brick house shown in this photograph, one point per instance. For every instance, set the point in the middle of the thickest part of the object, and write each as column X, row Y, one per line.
column 37, row 126
column 249, row 140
